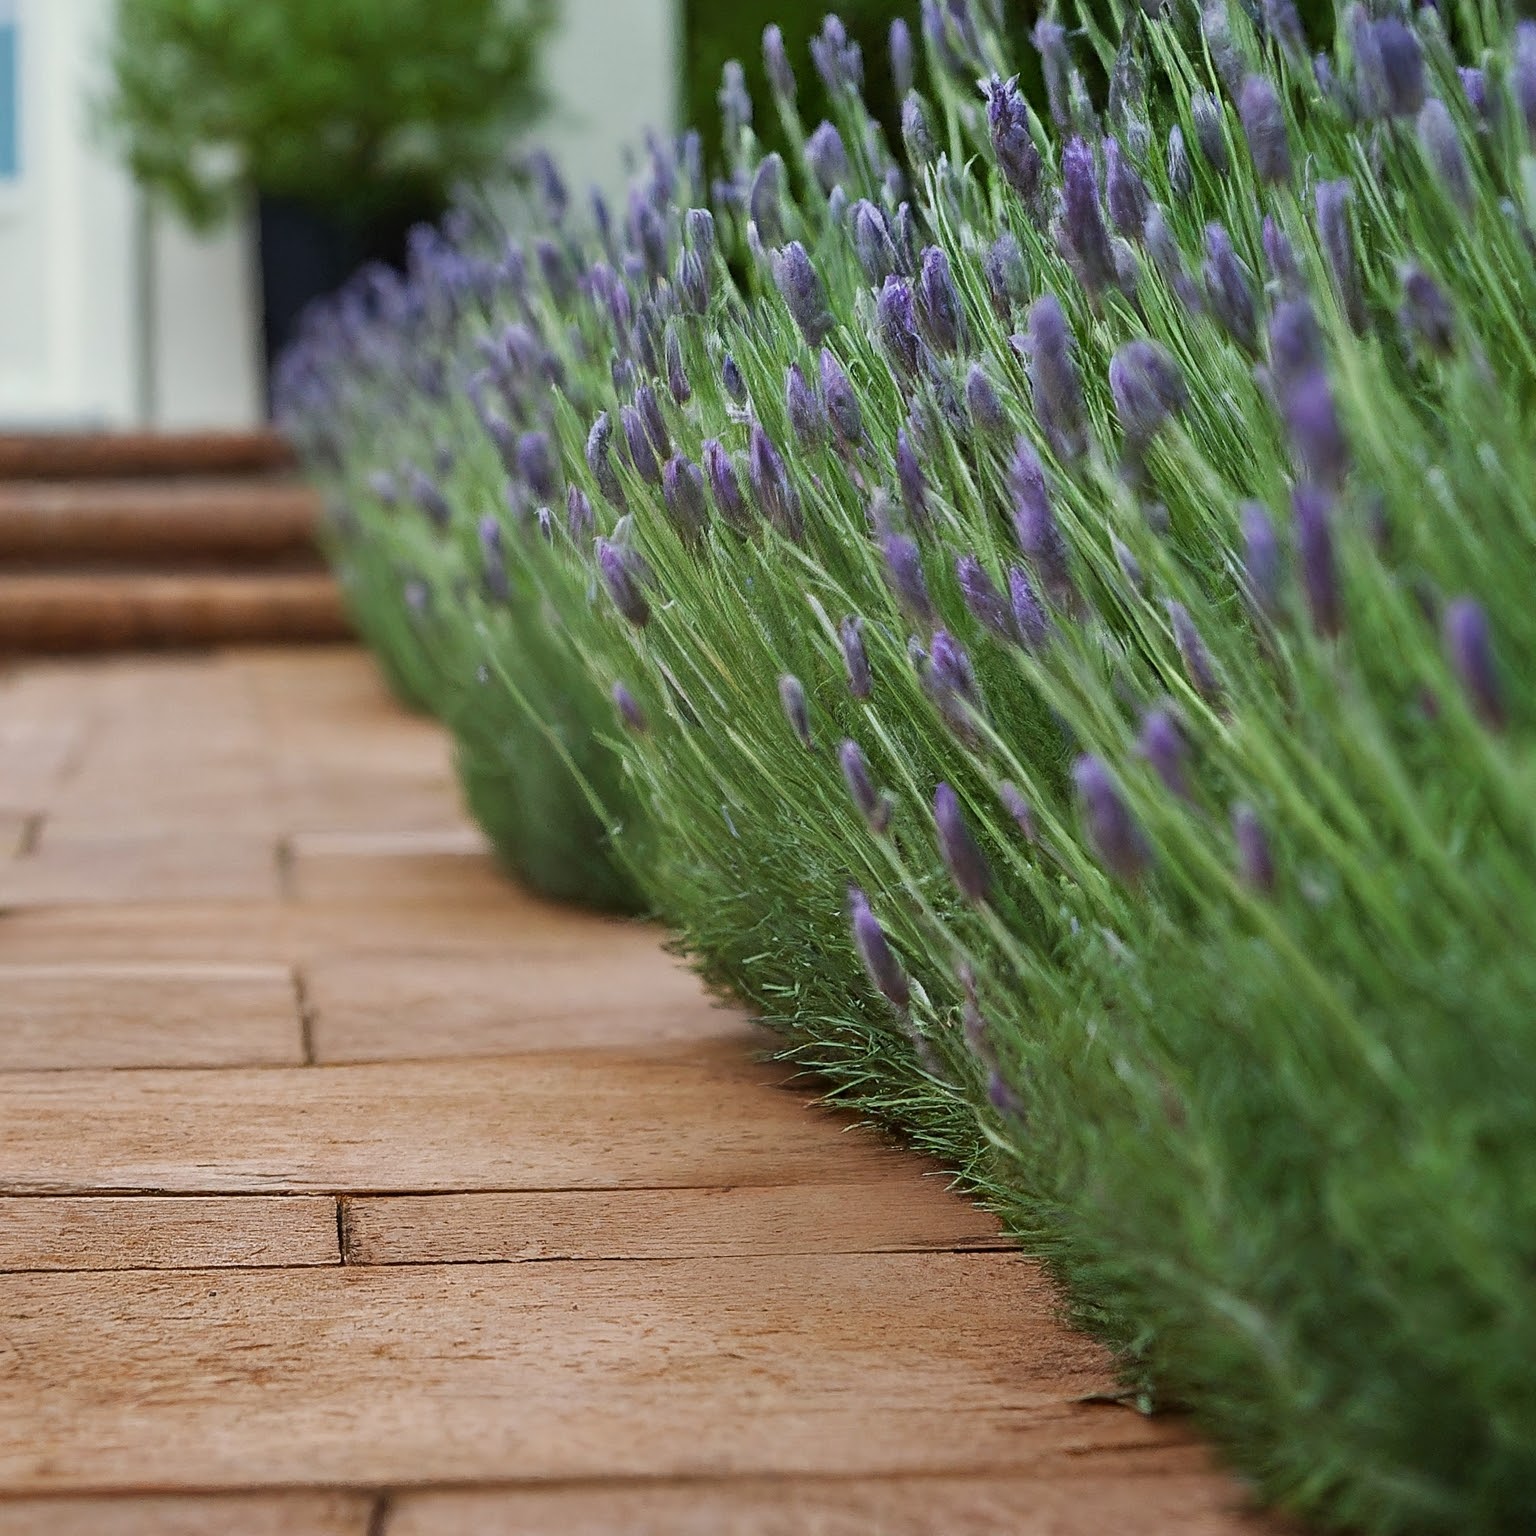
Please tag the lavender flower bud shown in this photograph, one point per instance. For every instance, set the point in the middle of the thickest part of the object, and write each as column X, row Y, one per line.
column 872, row 243
column 1019, row 809
column 1426, row 313
column 1443, row 148
column 691, row 278
column 1050, row 40
column 1283, row 23
column 765, row 199
column 384, row 488
column 1130, row 566
column 1332, row 201
column 909, row 478
column 1295, row 345
column 842, row 404
column 904, row 572
column 1054, row 385
column 730, row 377
column 725, row 485
column 781, row 78
column 1161, row 743
column 1128, row 199
column 1332, row 89
column 1111, row 827
column 1227, row 288
column 850, row 634
column 1007, row 279
column 964, row 860
column 677, row 376
column 1029, row 617
column 917, row 131
column 1083, row 221
column 796, row 710
column 427, row 496
column 1474, row 86
column 874, row 807
column 953, row 681
column 880, row 964
column 1034, row 524
column 493, row 559
column 1315, row 433
column 802, row 289
column 937, row 302
column 903, row 58
column 682, row 489
column 1263, row 119
column 1314, row 549
column 1261, row 558
column 805, row 412
column 1008, row 124
column 1281, row 259
column 1181, row 174
column 838, row 60
column 579, row 520
column 1255, row 862
column 987, row 605
column 827, row 158
column 1470, row 651
column 894, row 317
column 620, row 571
column 1168, row 259
column 1522, row 74
column 1147, row 388
column 776, row 496
column 985, row 406
column 699, row 226
column 630, row 714
column 1210, row 131
column 1395, row 53
column 1198, row 666
column 734, row 101
column 641, row 454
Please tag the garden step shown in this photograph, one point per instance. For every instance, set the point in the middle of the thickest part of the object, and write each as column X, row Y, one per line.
column 155, row 521
column 97, row 455
column 105, row 610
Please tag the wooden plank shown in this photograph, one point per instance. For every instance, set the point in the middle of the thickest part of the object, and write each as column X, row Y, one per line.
column 394, row 868
column 82, row 455
column 71, row 1232
column 1056, row 1501
column 849, row 1364
column 90, row 870
column 234, row 1514
column 369, row 1008
column 148, row 1015
column 905, row 1211
column 592, row 1120
column 16, row 830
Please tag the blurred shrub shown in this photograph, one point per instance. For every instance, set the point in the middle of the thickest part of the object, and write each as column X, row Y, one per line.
column 353, row 105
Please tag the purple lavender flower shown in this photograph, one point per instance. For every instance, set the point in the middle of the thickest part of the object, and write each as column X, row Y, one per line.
column 725, row 485
column 1443, row 148
column 987, row 605
column 952, row 680
column 1019, row 809
column 730, row 377
column 691, row 277
column 1008, row 124
column 903, row 58
column 937, row 302
column 1181, row 174
column 427, row 495
column 1083, row 221
column 1228, row 289
column 1210, row 131
column 493, row 559
column 1263, row 119
column 917, row 131
column 984, row 403
column 826, row 156
column 620, row 570
column 966, row 864
column 384, row 487
column 765, row 199
column 1130, row 566
column 805, row 410
column 1034, row 523
column 1255, row 862
column 630, row 714
column 1470, row 651
column 1147, row 388
column 1198, row 665
column 776, row 496
column 1007, row 278
column 1168, row 259
column 801, row 286
column 1283, row 23
column 1111, row 827
column 781, row 78
column 1313, row 425
column 682, row 489
column 579, row 520
column 1474, row 86
column 872, row 243
column 1426, row 314
column 910, row 480
column 1281, row 259
column 894, row 317
column 1396, row 54
column 796, row 709
column 1030, row 619
column 1261, row 558
column 850, row 635
column 874, row 807
column 880, row 963
column 1161, row 743
column 1314, row 550
column 1127, row 192
column 904, row 572
column 838, row 60
column 1050, row 40
column 842, row 403
column 1333, row 228
column 677, row 375
column 641, row 454
column 1522, row 74
column 1295, row 345
column 734, row 101
column 1053, row 381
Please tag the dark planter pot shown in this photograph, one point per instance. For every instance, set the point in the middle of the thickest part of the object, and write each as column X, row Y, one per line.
column 308, row 252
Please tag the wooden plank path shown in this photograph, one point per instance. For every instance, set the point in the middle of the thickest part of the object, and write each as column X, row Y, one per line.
column 347, row 1191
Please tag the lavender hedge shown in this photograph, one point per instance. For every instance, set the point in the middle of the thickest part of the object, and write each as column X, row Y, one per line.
column 1041, row 611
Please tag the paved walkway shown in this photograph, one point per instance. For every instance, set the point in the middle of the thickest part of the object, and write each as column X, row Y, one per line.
column 346, row 1191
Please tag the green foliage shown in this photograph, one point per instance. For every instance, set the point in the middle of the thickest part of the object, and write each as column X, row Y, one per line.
column 355, row 105
column 1254, row 1068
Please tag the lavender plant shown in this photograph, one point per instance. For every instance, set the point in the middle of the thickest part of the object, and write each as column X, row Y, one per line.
column 1042, row 616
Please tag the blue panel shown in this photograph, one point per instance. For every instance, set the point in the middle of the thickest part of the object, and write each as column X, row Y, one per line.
column 10, row 107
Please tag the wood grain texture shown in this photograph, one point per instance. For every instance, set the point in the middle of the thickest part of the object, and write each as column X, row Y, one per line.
column 84, row 455
column 1057, row 1501
column 156, row 1232
column 233, row 1514
column 94, row 871
column 148, row 1015
column 902, row 1210
column 847, row 1364
column 592, row 1120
